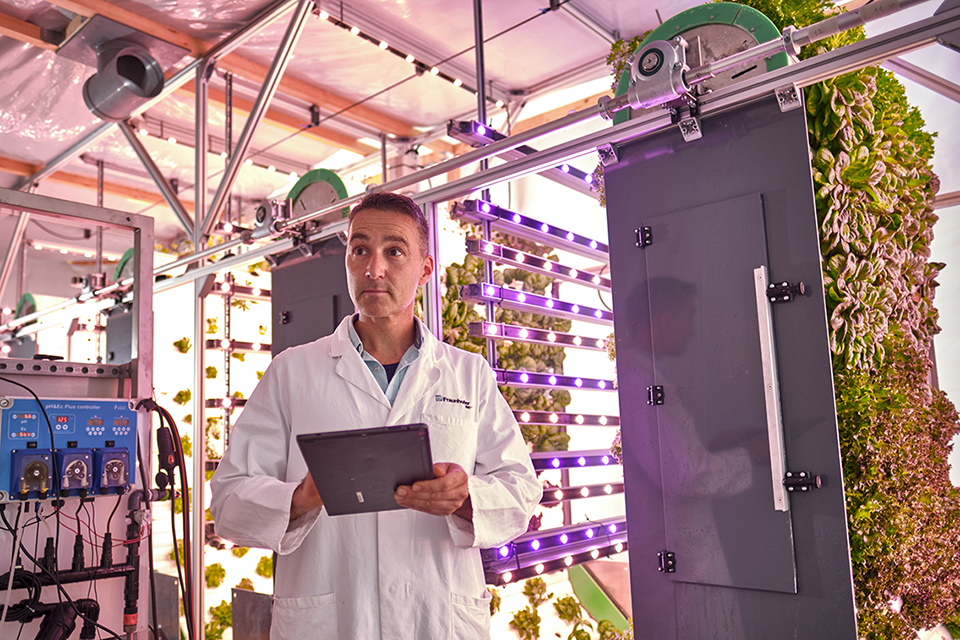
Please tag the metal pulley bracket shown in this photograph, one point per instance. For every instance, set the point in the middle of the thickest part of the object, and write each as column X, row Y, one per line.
column 657, row 74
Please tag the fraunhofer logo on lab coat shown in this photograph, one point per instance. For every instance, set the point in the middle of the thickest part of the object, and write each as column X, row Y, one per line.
column 465, row 403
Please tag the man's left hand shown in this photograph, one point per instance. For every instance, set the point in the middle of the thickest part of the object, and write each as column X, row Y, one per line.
column 446, row 494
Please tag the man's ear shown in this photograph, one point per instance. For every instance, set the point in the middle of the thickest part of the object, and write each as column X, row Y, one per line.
column 427, row 270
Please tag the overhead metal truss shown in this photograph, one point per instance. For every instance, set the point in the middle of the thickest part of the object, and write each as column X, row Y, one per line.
column 871, row 51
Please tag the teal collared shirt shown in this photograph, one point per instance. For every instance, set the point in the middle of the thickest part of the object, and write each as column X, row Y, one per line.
column 391, row 387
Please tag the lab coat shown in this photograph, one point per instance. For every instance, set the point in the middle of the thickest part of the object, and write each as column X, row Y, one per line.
column 394, row 574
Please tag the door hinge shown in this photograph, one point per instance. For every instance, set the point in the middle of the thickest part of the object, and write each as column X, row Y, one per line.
column 655, row 395
column 668, row 561
column 644, row 237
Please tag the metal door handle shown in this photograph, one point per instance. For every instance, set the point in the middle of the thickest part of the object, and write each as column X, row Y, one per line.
column 771, row 391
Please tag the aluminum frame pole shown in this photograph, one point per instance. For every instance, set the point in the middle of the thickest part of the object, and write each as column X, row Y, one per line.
column 431, row 290
column 13, row 253
column 219, row 50
column 270, row 85
column 163, row 186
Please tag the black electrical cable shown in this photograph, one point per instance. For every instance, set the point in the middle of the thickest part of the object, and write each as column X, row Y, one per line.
column 185, row 573
column 58, row 235
column 153, row 581
column 60, row 590
column 57, row 502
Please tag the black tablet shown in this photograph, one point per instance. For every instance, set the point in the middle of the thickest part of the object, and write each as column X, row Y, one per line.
column 358, row 471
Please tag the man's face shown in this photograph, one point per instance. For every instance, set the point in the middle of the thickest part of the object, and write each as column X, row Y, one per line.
column 384, row 264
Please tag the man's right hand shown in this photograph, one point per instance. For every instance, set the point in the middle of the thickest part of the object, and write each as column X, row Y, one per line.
column 305, row 498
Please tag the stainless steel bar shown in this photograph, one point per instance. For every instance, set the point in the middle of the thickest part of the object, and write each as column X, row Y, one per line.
column 198, row 510
column 383, row 158
column 270, row 84
column 163, row 186
column 834, row 63
column 181, row 78
column 924, row 78
column 142, row 321
column 204, row 71
column 711, row 69
column 248, row 257
column 202, row 85
column 771, row 391
column 431, row 290
column 14, row 251
column 844, row 21
column 460, row 161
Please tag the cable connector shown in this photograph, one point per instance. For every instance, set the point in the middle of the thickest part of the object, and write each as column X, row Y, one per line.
column 78, row 561
column 149, row 404
column 106, row 556
column 50, row 556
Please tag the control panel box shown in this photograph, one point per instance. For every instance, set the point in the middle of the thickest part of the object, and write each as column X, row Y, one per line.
column 91, row 453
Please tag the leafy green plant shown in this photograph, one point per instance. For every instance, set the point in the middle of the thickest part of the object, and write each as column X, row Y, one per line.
column 246, row 584
column 212, row 326
column 214, row 575
column 211, row 372
column 188, row 419
column 221, row 620
column 569, row 610
column 260, row 375
column 495, row 600
column 187, row 445
column 895, row 433
column 238, row 356
column 179, row 553
column 527, row 623
column 536, row 591
column 182, row 345
column 239, row 552
column 265, row 567
column 183, row 397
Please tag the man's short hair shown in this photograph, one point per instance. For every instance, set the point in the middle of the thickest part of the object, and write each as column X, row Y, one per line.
column 398, row 203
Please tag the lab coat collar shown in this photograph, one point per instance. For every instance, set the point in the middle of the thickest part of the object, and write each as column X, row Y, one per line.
column 422, row 376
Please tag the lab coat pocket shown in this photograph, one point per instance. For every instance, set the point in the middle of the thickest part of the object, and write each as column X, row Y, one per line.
column 452, row 439
column 471, row 616
column 312, row 617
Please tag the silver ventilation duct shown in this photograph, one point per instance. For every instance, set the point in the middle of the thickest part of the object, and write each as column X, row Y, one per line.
column 127, row 75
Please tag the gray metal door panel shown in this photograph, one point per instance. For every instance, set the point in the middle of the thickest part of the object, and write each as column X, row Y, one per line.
column 754, row 150
column 713, row 433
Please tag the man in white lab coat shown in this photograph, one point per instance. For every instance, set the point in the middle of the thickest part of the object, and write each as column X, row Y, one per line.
column 411, row 573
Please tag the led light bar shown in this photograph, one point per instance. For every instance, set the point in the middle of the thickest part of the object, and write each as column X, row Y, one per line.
column 565, row 494
column 499, row 331
column 237, row 345
column 565, row 419
column 532, row 303
column 225, row 288
column 477, row 134
column 527, row 228
column 524, row 570
column 572, row 459
column 535, row 264
column 513, row 378
column 224, row 403
column 569, row 539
